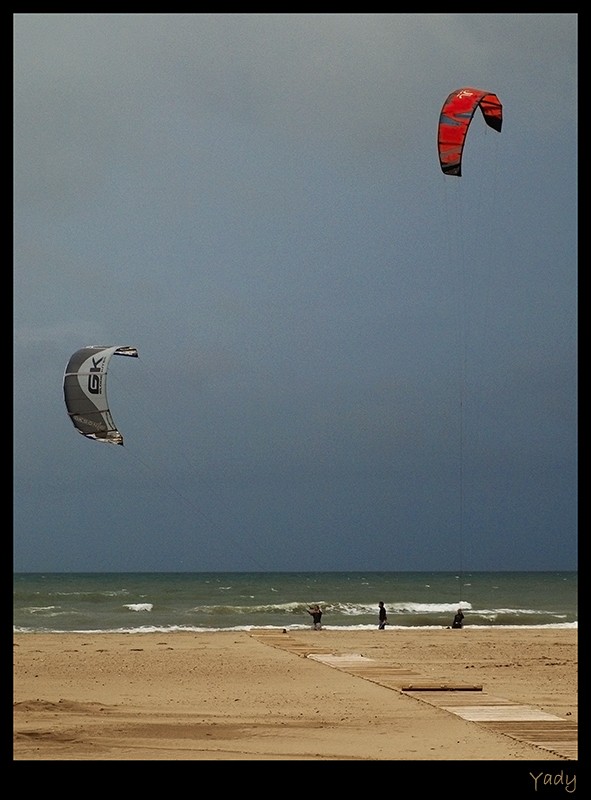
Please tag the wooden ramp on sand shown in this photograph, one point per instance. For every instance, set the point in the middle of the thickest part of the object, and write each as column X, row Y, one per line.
column 466, row 700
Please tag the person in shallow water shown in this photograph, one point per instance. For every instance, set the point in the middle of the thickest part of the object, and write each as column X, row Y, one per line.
column 382, row 616
column 458, row 619
column 316, row 615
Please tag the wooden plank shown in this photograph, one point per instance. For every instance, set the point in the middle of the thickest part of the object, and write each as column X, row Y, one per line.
column 559, row 727
column 344, row 659
column 451, row 700
column 369, row 672
column 437, row 686
column 505, row 713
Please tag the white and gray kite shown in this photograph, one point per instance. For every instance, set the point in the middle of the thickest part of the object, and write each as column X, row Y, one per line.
column 85, row 392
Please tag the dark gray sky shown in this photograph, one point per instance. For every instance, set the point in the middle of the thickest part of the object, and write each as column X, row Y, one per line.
column 347, row 359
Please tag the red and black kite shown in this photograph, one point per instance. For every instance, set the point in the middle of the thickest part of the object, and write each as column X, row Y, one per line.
column 454, row 121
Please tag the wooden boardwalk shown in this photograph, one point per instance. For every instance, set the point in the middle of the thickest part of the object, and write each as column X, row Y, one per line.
column 465, row 700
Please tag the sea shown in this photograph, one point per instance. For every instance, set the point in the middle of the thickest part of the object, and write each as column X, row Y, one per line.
column 120, row 602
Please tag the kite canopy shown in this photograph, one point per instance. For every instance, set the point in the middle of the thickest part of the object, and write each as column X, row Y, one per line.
column 454, row 121
column 85, row 392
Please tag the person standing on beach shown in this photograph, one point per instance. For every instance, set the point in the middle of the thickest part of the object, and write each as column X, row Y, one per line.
column 382, row 616
column 316, row 615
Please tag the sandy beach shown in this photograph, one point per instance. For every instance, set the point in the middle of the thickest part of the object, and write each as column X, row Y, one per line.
column 241, row 696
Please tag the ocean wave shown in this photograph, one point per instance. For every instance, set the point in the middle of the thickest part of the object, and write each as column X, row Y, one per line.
column 294, row 628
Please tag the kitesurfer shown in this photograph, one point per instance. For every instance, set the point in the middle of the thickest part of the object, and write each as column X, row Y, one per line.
column 458, row 619
column 316, row 615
